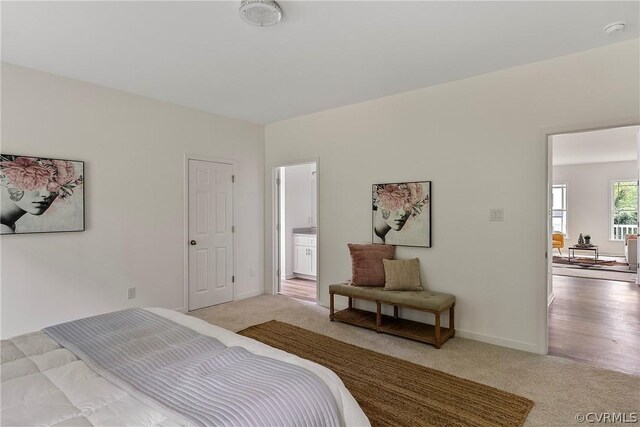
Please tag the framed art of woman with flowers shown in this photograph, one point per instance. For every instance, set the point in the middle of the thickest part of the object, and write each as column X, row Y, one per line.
column 40, row 195
column 402, row 214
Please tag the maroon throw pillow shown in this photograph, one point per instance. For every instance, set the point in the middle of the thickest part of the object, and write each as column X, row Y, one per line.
column 366, row 263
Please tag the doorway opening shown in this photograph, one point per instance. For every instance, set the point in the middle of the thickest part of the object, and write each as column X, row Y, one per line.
column 297, row 224
column 593, row 292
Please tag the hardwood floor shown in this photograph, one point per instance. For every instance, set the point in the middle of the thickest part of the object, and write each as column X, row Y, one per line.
column 596, row 322
column 298, row 288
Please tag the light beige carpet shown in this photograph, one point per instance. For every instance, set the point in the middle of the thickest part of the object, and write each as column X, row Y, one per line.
column 559, row 387
column 393, row 392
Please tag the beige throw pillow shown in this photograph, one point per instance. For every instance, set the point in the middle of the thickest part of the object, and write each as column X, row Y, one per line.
column 402, row 275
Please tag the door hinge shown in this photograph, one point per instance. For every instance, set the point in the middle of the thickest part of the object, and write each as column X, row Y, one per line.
column 278, row 181
column 233, row 279
column 233, row 178
column 278, row 272
column 233, row 228
column 277, row 227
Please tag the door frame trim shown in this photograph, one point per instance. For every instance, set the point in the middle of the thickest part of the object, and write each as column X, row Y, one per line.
column 546, row 280
column 275, row 235
column 185, row 222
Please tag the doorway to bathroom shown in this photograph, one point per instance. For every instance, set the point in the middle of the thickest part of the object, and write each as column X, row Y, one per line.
column 297, row 189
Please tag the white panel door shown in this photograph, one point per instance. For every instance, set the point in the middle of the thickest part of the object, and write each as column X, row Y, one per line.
column 210, row 233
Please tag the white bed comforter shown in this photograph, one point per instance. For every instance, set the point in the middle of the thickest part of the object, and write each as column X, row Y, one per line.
column 45, row 384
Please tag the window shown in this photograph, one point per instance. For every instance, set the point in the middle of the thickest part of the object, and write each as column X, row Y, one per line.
column 624, row 209
column 559, row 209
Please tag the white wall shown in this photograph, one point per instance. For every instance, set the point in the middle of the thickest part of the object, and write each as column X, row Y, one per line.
column 134, row 151
column 482, row 141
column 589, row 200
column 298, row 207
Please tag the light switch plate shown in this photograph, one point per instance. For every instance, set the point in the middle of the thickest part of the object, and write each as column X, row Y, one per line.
column 496, row 214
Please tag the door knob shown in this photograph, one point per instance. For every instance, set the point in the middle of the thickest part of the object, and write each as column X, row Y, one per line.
column 193, row 242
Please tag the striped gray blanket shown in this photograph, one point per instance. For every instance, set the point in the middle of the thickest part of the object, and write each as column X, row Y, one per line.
column 195, row 377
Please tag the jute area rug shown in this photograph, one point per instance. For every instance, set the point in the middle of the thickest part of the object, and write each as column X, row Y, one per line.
column 394, row 392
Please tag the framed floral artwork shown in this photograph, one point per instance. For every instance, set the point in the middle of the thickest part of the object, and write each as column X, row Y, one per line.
column 40, row 195
column 402, row 214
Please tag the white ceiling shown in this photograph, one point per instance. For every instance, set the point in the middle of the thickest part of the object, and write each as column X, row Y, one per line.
column 322, row 55
column 600, row 146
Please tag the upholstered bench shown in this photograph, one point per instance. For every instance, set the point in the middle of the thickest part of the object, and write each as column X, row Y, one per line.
column 431, row 302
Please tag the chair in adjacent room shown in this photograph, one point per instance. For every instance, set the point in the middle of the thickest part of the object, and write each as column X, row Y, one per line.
column 631, row 250
column 558, row 241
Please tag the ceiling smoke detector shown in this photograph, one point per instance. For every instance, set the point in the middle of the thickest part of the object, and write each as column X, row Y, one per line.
column 615, row 28
column 261, row 13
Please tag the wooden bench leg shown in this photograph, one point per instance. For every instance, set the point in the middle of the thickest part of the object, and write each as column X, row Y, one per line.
column 395, row 311
column 378, row 316
column 437, row 331
column 331, row 306
column 451, row 320
column 350, row 302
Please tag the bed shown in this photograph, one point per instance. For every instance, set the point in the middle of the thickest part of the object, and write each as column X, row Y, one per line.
column 45, row 383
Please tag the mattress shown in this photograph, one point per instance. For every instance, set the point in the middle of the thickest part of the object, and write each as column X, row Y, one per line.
column 43, row 383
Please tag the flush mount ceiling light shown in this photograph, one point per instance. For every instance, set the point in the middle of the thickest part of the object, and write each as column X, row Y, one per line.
column 261, row 13
column 615, row 28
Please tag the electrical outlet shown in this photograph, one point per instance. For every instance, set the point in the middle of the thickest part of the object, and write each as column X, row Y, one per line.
column 252, row 272
column 131, row 293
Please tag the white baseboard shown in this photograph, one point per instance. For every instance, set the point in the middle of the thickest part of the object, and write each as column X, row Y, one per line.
column 612, row 255
column 249, row 294
column 237, row 298
column 338, row 305
column 502, row 342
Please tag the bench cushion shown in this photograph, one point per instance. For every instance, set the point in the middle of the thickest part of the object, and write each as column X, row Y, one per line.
column 428, row 300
